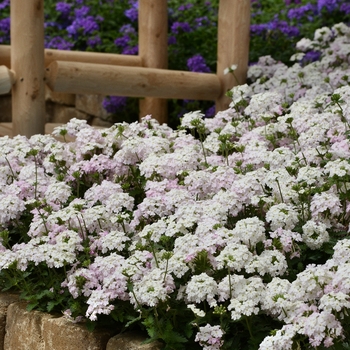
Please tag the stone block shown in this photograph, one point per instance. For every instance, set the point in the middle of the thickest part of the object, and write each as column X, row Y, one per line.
column 6, row 299
column 5, row 108
column 101, row 123
column 23, row 328
column 131, row 341
column 49, row 111
column 63, row 114
column 61, row 334
column 91, row 104
column 59, row 97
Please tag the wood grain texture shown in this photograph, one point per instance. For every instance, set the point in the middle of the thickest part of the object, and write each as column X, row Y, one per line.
column 153, row 50
column 86, row 78
column 233, row 45
column 27, row 60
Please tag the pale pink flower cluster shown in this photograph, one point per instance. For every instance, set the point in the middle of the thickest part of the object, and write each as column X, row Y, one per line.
column 209, row 337
column 147, row 215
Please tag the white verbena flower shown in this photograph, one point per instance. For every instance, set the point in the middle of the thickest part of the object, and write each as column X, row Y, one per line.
column 196, row 311
column 230, row 69
column 200, row 288
column 315, row 234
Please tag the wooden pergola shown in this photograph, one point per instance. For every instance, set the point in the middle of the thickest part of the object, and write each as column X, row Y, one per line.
column 27, row 66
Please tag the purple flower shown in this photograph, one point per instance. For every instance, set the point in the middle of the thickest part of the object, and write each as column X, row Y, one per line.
column 94, row 41
column 180, row 26
column 113, row 104
column 285, row 28
column 310, row 56
column 4, row 4
column 132, row 12
column 5, row 25
column 64, row 8
column 210, row 112
column 171, row 40
column 85, row 25
column 202, row 21
column 122, row 42
column 5, row 30
column 275, row 25
column 298, row 13
column 127, row 29
column 185, row 7
column 197, row 63
column 82, row 11
column 58, row 43
column 131, row 50
column 258, row 29
column 330, row 5
column 345, row 8
column 289, row 2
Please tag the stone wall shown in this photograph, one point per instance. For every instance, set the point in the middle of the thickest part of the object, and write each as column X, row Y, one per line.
column 61, row 107
column 33, row 330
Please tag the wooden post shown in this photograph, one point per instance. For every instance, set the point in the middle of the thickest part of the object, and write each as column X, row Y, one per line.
column 153, row 49
column 89, row 78
column 233, row 45
column 27, row 60
column 7, row 79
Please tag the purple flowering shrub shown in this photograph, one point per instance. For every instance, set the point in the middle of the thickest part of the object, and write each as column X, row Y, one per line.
column 111, row 26
column 231, row 232
column 278, row 25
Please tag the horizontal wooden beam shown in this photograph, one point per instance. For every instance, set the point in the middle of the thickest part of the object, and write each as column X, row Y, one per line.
column 76, row 56
column 86, row 78
column 6, row 129
column 49, row 128
column 7, row 79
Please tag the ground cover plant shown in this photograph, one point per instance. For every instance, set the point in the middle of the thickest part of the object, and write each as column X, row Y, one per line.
column 111, row 26
column 229, row 233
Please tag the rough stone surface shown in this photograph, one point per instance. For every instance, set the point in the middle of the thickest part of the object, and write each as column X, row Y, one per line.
column 34, row 330
column 101, row 123
column 61, row 334
column 23, row 328
column 91, row 104
column 5, row 300
column 63, row 114
column 131, row 341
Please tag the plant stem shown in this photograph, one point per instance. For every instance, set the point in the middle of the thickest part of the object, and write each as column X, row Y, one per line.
column 248, row 326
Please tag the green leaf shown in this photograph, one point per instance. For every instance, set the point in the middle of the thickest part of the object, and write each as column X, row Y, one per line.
column 51, row 305
column 172, row 337
column 90, row 325
column 32, row 306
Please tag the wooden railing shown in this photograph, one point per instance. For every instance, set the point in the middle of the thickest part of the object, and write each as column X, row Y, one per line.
column 27, row 66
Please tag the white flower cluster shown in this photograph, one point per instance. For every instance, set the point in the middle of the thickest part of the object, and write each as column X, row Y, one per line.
column 143, row 214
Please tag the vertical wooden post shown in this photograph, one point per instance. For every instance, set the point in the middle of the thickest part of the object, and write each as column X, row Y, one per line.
column 233, row 45
column 153, row 49
column 27, row 61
